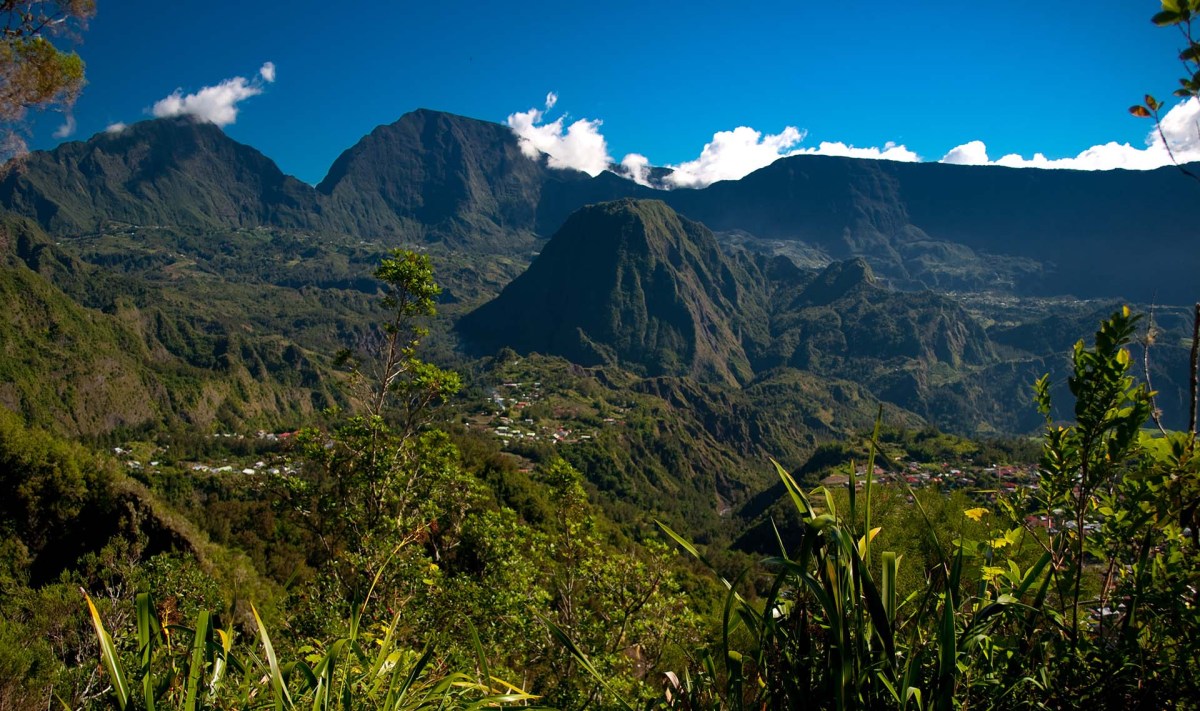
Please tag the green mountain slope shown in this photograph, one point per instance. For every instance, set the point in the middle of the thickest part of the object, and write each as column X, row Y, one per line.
column 175, row 172
column 147, row 359
column 438, row 177
column 634, row 284
column 628, row 282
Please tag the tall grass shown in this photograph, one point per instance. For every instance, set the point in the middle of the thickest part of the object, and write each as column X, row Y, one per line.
column 190, row 668
column 833, row 631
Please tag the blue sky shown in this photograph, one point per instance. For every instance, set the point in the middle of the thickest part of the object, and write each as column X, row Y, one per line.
column 1021, row 76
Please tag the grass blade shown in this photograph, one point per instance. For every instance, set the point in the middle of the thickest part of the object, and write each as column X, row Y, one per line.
column 108, row 655
column 283, row 699
column 584, row 662
column 891, row 568
column 484, row 672
column 147, row 632
column 793, row 489
column 196, row 668
column 414, row 674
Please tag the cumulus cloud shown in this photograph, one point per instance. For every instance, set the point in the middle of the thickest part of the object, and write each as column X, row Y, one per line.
column 732, row 155
column 890, row 151
column 115, row 128
column 215, row 104
column 579, row 146
column 972, row 153
column 636, row 167
column 1180, row 127
column 67, row 128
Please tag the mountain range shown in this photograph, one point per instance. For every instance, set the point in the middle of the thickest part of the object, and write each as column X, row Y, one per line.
column 439, row 179
column 932, row 286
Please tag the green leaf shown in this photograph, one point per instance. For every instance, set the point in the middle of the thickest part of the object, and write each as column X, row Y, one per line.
column 148, row 632
column 108, row 655
column 480, row 657
column 583, row 660
column 1166, row 18
column 890, row 569
column 283, row 700
column 196, row 669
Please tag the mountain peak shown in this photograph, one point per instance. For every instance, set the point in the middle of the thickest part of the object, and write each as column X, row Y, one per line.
column 840, row 279
column 167, row 171
column 627, row 282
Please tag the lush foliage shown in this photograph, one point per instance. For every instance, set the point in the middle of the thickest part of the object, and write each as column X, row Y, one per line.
column 1080, row 591
column 402, row 566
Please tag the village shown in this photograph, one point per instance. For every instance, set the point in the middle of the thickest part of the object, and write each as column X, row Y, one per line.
column 983, row 482
column 262, row 457
column 510, row 415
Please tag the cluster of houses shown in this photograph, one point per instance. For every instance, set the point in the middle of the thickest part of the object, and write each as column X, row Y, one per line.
column 943, row 475
column 134, row 463
column 506, row 421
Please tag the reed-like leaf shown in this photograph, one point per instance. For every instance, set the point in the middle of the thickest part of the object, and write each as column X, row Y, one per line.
column 890, row 565
column 870, row 478
column 283, row 700
column 196, row 667
column 480, row 657
column 108, row 655
column 565, row 640
column 1032, row 574
column 414, row 674
column 147, row 634
column 798, row 498
column 881, row 622
column 385, row 653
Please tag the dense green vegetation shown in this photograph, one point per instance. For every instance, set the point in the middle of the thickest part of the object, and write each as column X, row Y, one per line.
column 393, row 563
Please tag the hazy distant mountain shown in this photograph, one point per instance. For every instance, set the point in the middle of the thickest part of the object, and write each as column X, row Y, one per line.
column 1091, row 233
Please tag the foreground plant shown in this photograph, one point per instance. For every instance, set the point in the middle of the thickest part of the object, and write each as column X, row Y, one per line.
column 201, row 667
column 1080, row 591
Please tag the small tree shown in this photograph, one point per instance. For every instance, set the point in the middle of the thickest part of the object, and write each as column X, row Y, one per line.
column 374, row 480
column 387, row 373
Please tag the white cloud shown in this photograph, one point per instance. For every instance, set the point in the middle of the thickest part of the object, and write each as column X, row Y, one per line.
column 732, row 155
column 890, row 151
column 579, row 146
column 1180, row 126
column 115, row 128
column 67, row 128
column 215, row 104
column 972, row 153
column 636, row 167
